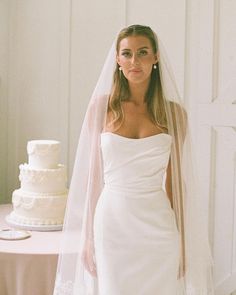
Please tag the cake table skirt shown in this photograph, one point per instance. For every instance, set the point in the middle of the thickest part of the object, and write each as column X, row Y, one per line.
column 27, row 274
column 28, row 267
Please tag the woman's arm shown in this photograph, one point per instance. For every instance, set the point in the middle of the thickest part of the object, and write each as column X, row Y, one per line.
column 92, row 131
column 168, row 184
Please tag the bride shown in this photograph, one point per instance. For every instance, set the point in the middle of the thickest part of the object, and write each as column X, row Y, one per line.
column 132, row 222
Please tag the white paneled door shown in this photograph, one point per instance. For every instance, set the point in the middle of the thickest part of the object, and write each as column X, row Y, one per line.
column 214, row 27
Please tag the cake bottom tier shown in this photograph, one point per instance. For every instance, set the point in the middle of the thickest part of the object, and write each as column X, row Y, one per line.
column 32, row 209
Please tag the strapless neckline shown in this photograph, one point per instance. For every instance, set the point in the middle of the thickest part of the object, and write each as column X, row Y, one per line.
column 136, row 139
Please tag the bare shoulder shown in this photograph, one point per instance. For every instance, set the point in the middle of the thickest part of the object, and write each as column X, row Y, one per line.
column 109, row 121
column 109, row 116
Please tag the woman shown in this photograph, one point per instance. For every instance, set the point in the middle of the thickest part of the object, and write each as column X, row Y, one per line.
column 137, row 230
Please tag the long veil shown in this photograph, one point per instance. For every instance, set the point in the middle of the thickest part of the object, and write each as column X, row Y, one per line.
column 196, row 263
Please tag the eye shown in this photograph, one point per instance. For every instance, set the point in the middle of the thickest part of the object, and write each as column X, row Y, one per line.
column 126, row 54
column 142, row 52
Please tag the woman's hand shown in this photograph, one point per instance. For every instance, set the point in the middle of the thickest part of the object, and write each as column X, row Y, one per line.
column 88, row 258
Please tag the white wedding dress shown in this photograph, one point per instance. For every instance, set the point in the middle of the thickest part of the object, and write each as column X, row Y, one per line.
column 137, row 243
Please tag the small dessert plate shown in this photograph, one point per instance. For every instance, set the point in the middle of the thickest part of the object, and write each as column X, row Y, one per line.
column 13, row 235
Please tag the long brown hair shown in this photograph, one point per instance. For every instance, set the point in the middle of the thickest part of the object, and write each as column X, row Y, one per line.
column 120, row 90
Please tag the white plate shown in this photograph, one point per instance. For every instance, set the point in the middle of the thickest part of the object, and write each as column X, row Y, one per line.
column 12, row 234
column 33, row 227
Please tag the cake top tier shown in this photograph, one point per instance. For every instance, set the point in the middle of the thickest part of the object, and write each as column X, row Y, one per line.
column 43, row 154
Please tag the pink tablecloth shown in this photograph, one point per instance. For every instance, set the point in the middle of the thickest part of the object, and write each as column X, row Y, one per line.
column 28, row 267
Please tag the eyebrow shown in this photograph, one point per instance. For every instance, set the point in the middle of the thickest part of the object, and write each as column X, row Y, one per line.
column 144, row 47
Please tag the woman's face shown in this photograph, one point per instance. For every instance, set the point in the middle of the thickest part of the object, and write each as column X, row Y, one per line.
column 136, row 58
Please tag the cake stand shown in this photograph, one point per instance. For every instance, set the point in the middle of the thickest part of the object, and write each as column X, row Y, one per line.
column 33, row 227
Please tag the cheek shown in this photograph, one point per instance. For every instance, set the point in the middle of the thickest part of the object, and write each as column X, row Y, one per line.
column 149, row 60
column 148, row 64
column 124, row 62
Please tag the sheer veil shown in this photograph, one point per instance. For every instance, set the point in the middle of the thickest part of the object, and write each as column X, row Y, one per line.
column 196, row 263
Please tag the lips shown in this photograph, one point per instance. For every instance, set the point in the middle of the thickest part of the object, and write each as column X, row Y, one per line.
column 135, row 70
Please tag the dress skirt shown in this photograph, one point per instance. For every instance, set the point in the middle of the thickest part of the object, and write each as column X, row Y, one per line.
column 137, row 244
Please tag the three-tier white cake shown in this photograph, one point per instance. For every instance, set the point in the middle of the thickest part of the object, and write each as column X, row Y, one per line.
column 40, row 201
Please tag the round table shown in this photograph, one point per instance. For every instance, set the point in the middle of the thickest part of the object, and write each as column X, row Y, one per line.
column 28, row 267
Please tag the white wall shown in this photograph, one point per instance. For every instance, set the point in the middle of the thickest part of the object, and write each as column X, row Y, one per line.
column 3, row 97
column 35, row 36
column 93, row 27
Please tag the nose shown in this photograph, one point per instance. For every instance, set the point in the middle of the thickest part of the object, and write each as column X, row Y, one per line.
column 135, row 59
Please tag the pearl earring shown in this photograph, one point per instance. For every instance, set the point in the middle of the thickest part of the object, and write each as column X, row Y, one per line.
column 154, row 67
column 120, row 68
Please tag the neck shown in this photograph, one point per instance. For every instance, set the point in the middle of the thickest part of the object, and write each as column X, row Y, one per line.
column 138, row 91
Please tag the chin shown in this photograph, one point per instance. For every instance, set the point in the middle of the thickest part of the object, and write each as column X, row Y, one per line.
column 138, row 80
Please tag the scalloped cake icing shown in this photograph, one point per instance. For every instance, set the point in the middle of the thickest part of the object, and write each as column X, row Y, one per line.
column 41, row 198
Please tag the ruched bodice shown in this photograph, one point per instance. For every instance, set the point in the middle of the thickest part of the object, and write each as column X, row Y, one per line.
column 135, row 165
